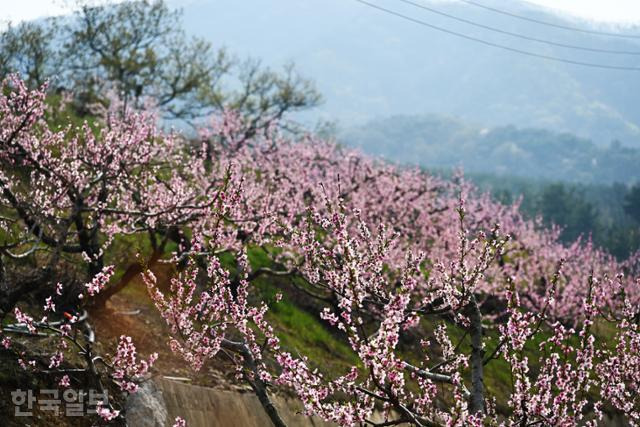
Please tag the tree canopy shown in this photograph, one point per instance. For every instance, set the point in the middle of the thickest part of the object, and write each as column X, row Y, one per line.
column 138, row 51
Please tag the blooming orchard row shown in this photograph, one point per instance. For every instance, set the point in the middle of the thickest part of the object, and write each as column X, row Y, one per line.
column 387, row 253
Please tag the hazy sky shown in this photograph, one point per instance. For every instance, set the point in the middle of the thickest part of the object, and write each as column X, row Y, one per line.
column 620, row 11
column 624, row 11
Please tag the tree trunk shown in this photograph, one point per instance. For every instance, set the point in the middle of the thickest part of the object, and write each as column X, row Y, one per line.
column 258, row 386
column 476, row 403
column 132, row 271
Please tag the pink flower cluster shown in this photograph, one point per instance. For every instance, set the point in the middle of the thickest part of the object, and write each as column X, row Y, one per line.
column 126, row 368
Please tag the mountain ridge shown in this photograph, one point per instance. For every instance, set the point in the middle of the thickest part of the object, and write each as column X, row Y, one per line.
column 369, row 64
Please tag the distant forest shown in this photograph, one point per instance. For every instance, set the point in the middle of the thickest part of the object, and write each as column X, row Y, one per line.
column 442, row 142
column 608, row 214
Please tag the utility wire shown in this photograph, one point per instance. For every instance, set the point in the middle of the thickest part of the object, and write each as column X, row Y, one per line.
column 496, row 45
column 521, row 36
column 550, row 24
